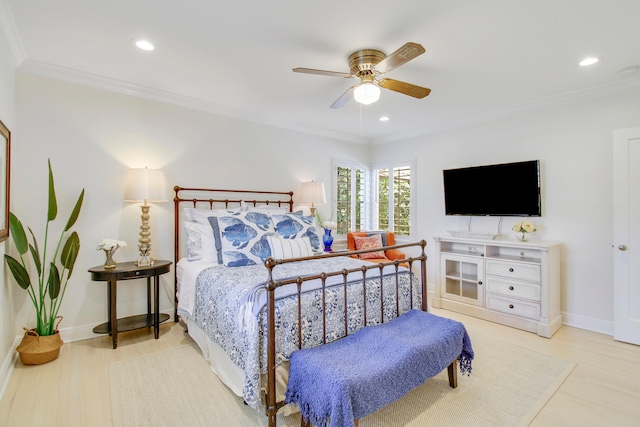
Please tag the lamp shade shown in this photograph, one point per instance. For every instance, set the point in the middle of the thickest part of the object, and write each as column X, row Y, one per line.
column 366, row 93
column 312, row 192
column 148, row 185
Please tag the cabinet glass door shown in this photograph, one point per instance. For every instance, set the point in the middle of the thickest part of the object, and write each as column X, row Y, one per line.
column 462, row 279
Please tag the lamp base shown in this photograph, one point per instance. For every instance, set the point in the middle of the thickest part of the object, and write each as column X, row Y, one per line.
column 145, row 262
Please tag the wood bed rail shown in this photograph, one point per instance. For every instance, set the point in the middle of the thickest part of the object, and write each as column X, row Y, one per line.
column 272, row 404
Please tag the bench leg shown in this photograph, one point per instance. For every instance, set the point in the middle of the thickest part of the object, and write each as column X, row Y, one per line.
column 452, row 370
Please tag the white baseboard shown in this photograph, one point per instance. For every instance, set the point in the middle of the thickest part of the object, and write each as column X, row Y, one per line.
column 7, row 365
column 588, row 323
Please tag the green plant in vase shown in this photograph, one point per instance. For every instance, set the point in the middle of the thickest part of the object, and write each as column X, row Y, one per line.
column 45, row 279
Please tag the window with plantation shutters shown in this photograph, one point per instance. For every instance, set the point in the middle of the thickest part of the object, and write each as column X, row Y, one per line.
column 394, row 199
column 350, row 198
column 378, row 199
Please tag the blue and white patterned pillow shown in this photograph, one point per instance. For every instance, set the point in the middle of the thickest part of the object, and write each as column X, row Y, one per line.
column 294, row 226
column 243, row 237
column 202, row 243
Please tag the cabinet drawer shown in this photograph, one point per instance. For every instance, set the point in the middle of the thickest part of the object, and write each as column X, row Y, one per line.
column 512, row 306
column 513, row 288
column 514, row 270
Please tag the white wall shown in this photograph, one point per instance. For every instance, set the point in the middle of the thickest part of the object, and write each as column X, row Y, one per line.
column 7, row 317
column 93, row 137
column 574, row 144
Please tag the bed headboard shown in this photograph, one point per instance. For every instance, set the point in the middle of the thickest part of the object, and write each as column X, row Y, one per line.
column 210, row 198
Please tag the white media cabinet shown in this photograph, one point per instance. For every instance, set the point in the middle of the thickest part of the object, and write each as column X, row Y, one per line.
column 508, row 282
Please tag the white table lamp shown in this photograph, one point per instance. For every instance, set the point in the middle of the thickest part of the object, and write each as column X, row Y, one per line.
column 312, row 192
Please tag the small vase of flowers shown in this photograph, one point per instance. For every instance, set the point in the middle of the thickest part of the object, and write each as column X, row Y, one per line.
column 110, row 246
column 522, row 229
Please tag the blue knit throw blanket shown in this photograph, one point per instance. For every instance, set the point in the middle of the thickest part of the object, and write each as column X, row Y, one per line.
column 352, row 377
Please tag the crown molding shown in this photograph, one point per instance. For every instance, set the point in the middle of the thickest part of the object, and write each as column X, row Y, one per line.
column 614, row 88
column 9, row 35
column 55, row 72
column 43, row 69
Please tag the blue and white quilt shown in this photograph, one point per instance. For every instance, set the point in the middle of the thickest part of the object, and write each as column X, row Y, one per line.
column 229, row 308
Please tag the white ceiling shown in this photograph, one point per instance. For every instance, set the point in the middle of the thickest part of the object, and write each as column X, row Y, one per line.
column 483, row 58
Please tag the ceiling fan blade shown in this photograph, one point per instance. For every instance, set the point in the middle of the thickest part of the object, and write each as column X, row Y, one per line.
column 405, row 88
column 405, row 54
column 344, row 98
column 321, row 72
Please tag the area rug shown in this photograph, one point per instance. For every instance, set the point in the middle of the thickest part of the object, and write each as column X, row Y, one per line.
column 508, row 387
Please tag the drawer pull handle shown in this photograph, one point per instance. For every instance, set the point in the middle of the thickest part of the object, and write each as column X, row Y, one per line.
column 137, row 273
column 479, row 282
column 510, row 288
column 511, row 270
column 510, row 305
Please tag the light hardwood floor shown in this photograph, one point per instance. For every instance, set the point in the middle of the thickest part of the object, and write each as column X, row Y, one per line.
column 603, row 389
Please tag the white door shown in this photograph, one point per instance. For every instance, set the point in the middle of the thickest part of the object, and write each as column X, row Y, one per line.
column 626, row 235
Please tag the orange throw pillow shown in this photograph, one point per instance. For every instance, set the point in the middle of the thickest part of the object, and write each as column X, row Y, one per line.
column 371, row 242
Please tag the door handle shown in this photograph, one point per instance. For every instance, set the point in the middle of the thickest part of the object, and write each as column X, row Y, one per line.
column 622, row 247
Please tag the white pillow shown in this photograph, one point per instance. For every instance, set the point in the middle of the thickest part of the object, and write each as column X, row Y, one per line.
column 200, row 242
column 289, row 248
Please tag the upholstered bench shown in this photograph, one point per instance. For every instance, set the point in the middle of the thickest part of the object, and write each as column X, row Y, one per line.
column 354, row 376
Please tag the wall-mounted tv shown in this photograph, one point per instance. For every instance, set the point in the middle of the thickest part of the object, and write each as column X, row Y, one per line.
column 507, row 189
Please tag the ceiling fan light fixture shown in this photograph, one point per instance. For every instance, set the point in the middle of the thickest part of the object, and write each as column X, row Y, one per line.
column 366, row 93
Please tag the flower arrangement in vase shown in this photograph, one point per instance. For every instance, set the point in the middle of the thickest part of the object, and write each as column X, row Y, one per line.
column 110, row 246
column 522, row 228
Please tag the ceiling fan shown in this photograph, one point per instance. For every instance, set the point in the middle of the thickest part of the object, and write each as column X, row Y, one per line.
column 368, row 65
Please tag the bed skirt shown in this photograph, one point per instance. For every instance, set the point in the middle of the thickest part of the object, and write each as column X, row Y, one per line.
column 231, row 374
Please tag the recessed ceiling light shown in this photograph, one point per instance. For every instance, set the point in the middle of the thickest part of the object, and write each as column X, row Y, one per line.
column 588, row 61
column 384, row 119
column 144, row 45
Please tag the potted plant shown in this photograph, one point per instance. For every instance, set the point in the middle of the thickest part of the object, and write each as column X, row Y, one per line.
column 47, row 285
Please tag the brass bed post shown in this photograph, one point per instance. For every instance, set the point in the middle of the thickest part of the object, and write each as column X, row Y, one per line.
column 272, row 407
column 176, row 251
column 423, row 276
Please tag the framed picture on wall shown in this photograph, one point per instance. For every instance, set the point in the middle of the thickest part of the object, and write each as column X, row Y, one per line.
column 5, row 163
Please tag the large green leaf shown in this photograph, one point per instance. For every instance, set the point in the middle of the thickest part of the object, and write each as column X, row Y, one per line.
column 54, row 281
column 75, row 212
column 19, row 273
column 70, row 252
column 52, row 212
column 18, row 234
column 36, row 259
column 35, row 252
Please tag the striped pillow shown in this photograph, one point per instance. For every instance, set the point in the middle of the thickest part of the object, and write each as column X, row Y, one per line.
column 290, row 248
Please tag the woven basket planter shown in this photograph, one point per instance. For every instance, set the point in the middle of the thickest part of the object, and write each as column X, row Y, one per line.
column 36, row 350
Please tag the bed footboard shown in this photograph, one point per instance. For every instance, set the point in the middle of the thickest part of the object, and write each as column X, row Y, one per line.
column 272, row 404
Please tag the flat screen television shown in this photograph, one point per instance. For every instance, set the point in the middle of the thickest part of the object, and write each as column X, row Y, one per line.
column 507, row 189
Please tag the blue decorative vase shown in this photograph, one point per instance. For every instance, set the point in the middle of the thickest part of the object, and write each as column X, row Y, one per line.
column 327, row 239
